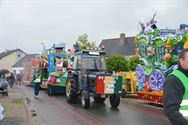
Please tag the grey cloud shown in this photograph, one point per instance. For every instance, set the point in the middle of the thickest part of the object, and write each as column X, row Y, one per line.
column 26, row 23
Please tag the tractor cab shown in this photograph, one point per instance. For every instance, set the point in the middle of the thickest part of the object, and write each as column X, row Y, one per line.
column 90, row 60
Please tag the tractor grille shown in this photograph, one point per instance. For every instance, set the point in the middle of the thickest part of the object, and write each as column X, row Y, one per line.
column 92, row 83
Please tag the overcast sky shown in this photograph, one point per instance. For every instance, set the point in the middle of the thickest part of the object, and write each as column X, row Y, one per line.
column 26, row 23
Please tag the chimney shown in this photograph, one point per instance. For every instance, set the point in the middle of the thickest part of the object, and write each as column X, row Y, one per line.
column 122, row 37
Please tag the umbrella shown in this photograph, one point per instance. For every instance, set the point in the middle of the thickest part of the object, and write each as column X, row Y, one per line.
column 3, row 71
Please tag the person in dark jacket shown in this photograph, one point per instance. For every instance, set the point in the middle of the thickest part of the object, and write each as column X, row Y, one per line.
column 11, row 80
column 176, row 92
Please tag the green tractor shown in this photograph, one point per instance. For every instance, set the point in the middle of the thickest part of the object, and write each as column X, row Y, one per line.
column 89, row 78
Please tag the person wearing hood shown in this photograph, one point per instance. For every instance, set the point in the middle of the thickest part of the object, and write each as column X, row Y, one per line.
column 176, row 92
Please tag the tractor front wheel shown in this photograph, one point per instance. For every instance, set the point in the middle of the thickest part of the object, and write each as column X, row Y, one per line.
column 71, row 89
column 114, row 100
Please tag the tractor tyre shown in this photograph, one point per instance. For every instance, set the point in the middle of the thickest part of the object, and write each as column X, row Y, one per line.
column 114, row 100
column 71, row 89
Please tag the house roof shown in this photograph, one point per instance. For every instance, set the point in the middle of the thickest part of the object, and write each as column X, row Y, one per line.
column 116, row 46
column 6, row 53
column 24, row 59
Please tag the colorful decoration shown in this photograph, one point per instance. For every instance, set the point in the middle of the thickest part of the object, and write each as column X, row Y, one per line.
column 105, row 84
column 186, row 43
column 140, row 74
column 156, row 80
column 158, row 51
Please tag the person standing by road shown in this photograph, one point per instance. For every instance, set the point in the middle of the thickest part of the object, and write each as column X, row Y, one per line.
column 37, row 83
column 11, row 80
column 176, row 92
column 19, row 79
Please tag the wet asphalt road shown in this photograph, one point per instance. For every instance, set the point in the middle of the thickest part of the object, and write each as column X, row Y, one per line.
column 54, row 110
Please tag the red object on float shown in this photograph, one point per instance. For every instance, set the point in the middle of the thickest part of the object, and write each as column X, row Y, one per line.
column 151, row 97
column 53, row 80
column 100, row 85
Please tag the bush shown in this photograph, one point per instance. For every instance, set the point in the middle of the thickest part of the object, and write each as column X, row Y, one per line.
column 133, row 61
column 117, row 63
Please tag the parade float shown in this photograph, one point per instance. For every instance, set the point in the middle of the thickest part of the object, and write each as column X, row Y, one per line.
column 51, row 65
column 158, row 50
column 58, row 61
column 128, row 83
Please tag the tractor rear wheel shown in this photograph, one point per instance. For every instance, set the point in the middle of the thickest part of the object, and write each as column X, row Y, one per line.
column 71, row 89
column 114, row 100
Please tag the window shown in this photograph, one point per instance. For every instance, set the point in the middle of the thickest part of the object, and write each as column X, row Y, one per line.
column 94, row 62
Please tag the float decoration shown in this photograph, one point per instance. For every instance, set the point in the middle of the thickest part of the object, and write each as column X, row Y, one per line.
column 158, row 50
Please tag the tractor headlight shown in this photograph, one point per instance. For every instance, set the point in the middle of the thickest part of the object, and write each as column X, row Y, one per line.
column 2, row 112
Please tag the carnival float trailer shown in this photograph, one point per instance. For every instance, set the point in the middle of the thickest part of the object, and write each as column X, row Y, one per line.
column 158, row 50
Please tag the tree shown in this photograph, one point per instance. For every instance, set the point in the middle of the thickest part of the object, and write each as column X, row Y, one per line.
column 117, row 63
column 84, row 43
column 133, row 62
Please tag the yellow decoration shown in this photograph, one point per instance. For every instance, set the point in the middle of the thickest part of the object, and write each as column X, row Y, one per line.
column 168, row 41
column 186, row 44
column 136, row 39
column 168, row 47
column 137, row 51
column 109, row 85
column 46, row 61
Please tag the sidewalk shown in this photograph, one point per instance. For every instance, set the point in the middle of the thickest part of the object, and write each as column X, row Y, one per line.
column 17, row 110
